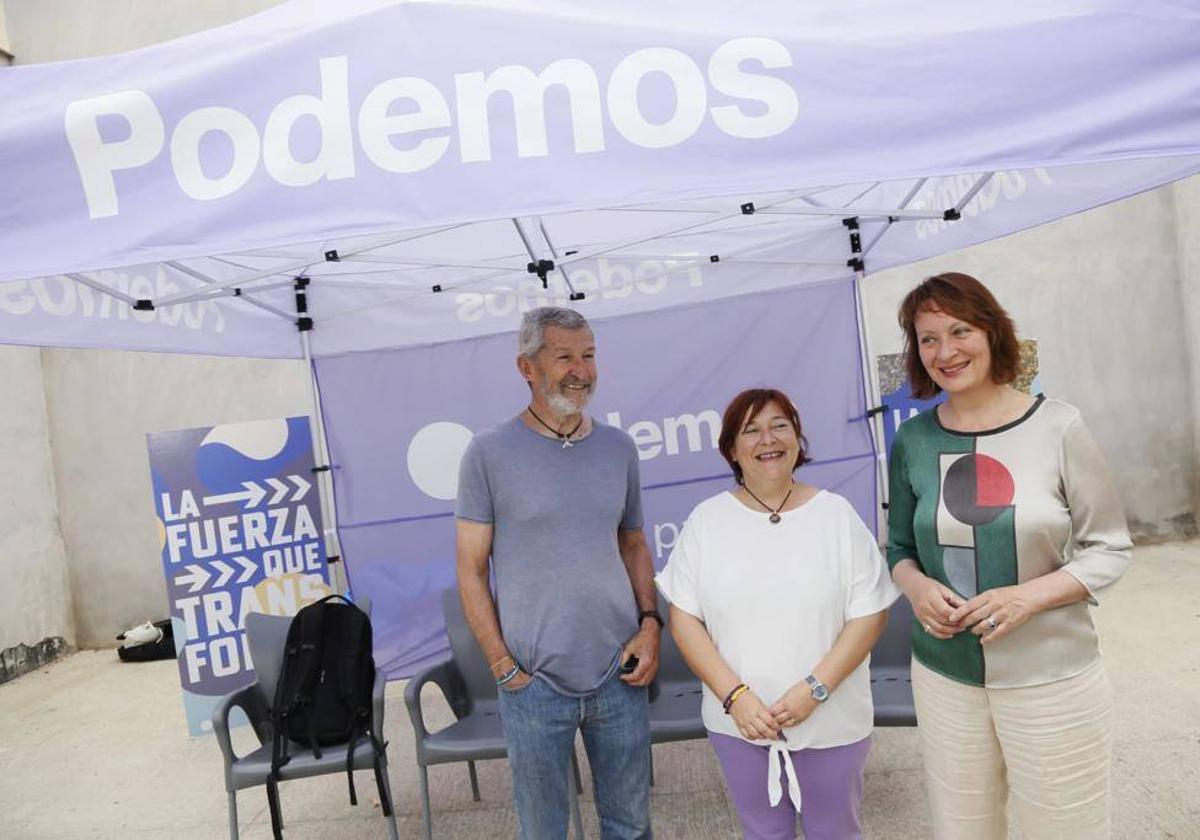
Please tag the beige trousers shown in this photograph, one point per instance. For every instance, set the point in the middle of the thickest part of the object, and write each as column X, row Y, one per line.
column 1050, row 746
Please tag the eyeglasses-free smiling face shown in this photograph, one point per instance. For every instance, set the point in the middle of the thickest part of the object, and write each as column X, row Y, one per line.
column 956, row 354
column 563, row 373
column 767, row 446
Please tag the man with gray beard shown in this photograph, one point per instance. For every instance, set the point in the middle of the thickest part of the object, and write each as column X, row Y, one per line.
column 550, row 503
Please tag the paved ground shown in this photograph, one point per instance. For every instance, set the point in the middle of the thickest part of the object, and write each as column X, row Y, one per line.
column 93, row 748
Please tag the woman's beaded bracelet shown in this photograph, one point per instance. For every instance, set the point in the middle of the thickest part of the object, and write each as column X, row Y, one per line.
column 731, row 698
column 508, row 677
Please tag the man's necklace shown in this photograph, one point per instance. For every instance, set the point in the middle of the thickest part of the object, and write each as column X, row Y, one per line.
column 775, row 517
column 566, row 439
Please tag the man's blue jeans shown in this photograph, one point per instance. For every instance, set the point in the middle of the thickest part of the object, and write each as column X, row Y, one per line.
column 539, row 729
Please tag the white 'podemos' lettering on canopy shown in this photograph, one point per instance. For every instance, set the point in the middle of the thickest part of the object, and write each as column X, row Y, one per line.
column 773, row 108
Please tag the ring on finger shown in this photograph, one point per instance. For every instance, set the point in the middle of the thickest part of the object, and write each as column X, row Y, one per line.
column 990, row 621
column 928, row 629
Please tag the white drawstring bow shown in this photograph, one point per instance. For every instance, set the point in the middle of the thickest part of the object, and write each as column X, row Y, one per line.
column 774, row 788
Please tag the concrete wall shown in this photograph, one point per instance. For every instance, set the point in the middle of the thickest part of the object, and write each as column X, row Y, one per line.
column 1186, row 195
column 101, row 406
column 58, row 30
column 35, row 611
column 1102, row 294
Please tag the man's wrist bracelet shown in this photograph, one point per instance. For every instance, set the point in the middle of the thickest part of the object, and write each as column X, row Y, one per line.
column 508, row 677
column 644, row 614
column 500, row 661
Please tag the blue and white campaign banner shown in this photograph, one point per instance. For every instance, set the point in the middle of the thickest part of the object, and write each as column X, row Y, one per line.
column 239, row 525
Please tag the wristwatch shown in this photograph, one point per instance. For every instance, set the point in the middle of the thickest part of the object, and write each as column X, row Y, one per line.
column 820, row 692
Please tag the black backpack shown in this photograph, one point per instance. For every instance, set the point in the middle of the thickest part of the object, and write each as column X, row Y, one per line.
column 323, row 696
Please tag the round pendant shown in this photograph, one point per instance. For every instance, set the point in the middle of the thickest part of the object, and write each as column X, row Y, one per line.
column 775, row 517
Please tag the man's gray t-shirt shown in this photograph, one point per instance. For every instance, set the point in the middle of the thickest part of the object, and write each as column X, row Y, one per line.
column 564, row 598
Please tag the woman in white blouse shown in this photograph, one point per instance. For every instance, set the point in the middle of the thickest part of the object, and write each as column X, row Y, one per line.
column 778, row 593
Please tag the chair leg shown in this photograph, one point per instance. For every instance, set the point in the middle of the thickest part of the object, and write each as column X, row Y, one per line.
column 385, row 796
column 576, row 790
column 233, row 829
column 474, row 780
column 423, row 775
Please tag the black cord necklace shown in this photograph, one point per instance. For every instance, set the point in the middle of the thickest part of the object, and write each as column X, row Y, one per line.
column 775, row 517
column 566, row 439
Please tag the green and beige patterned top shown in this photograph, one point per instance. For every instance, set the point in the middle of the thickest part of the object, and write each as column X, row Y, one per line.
column 979, row 510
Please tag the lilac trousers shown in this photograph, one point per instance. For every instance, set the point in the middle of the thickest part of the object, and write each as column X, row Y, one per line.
column 831, row 781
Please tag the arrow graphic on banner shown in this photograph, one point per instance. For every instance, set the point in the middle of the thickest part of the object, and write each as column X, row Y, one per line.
column 252, row 496
column 224, row 570
column 281, row 490
column 197, row 576
column 249, row 567
column 302, row 487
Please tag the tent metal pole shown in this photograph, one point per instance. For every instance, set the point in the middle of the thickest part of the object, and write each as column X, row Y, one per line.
column 102, row 288
column 871, row 387
column 980, row 183
column 324, row 475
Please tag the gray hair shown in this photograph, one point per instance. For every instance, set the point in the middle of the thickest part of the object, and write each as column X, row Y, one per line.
column 532, row 336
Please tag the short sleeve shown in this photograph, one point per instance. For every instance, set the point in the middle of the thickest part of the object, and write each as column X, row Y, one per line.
column 631, row 519
column 902, row 506
column 474, row 501
column 871, row 589
column 1101, row 547
column 679, row 579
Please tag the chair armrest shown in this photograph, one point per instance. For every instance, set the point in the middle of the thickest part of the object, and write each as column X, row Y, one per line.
column 445, row 675
column 246, row 699
column 377, row 692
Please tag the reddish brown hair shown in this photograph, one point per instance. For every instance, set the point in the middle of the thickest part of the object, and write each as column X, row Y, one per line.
column 745, row 406
column 959, row 296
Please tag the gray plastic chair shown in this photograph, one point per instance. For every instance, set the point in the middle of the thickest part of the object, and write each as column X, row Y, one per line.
column 891, row 674
column 469, row 688
column 266, row 636
column 675, row 694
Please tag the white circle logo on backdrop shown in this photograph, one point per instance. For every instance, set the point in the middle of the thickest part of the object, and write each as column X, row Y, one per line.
column 433, row 457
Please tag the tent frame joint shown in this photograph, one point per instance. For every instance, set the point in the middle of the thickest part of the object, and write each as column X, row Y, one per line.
column 541, row 268
column 144, row 305
column 952, row 215
column 851, row 224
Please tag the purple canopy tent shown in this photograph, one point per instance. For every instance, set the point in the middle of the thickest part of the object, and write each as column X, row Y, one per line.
column 708, row 183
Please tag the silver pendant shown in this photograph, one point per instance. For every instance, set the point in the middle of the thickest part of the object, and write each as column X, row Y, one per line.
column 775, row 518
column 567, row 443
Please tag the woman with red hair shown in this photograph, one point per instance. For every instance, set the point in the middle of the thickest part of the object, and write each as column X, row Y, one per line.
column 1003, row 526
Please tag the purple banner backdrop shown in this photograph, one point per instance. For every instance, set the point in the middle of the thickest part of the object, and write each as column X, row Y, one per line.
column 398, row 422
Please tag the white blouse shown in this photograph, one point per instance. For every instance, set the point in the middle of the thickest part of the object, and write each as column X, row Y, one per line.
column 774, row 598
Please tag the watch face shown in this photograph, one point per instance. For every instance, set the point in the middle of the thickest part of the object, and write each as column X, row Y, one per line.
column 820, row 693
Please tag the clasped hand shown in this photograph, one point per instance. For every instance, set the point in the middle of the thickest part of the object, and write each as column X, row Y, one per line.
column 991, row 615
column 758, row 722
